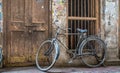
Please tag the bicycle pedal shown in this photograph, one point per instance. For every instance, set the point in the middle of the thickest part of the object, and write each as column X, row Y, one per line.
column 71, row 61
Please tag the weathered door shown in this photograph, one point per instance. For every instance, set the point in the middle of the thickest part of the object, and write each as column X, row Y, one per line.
column 27, row 27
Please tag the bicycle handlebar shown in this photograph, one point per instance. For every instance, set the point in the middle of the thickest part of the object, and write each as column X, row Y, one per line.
column 81, row 30
column 78, row 29
column 64, row 29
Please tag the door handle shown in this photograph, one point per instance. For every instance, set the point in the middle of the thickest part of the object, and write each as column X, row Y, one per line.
column 30, row 28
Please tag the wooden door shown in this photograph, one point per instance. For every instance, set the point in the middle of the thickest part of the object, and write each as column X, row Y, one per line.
column 27, row 26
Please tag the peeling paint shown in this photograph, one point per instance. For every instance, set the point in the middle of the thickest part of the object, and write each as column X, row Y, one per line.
column 110, row 17
column 1, row 17
column 59, row 12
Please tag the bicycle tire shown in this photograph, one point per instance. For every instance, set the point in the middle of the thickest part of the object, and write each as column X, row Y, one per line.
column 1, row 57
column 42, row 56
column 89, row 49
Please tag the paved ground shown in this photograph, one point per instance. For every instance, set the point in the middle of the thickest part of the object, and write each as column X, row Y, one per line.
column 110, row 69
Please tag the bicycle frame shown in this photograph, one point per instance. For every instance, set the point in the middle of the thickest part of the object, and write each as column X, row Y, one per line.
column 55, row 39
column 81, row 49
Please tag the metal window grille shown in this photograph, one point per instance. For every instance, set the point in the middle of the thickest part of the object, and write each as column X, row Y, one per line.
column 82, row 14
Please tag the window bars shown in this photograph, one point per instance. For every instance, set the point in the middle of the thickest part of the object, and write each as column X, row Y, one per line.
column 82, row 14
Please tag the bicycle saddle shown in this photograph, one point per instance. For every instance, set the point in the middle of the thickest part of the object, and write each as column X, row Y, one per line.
column 82, row 30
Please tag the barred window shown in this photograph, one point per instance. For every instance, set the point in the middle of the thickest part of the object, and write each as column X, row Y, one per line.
column 82, row 14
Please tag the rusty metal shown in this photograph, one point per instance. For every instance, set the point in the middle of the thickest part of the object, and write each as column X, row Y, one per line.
column 82, row 14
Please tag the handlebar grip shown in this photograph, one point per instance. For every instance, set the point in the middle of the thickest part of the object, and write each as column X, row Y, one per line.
column 82, row 30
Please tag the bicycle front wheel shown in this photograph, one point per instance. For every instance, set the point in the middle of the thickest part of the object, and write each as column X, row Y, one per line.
column 46, row 55
column 93, row 51
column 1, row 57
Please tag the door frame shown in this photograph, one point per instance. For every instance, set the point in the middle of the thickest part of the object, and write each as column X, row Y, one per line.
column 5, row 31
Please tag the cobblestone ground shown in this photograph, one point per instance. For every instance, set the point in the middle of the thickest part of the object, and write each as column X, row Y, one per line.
column 109, row 69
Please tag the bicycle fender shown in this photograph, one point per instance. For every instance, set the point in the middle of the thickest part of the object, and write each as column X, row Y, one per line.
column 57, row 49
column 1, row 55
column 79, row 49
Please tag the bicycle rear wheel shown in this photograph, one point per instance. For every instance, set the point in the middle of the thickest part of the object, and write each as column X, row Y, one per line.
column 46, row 55
column 93, row 51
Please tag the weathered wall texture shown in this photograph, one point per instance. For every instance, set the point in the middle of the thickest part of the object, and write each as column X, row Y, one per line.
column 1, row 24
column 59, row 14
column 109, row 27
column 1, row 18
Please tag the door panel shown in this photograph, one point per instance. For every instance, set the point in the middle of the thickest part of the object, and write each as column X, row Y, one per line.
column 17, row 8
column 16, row 37
column 27, row 28
column 39, row 24
column 38, row 9
column 18, row 53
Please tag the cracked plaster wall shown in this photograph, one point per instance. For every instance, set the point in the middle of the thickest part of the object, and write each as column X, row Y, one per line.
column 110, row 26
column 59, row 15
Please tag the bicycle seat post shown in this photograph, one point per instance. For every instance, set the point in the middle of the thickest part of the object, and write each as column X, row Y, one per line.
column 57, row 32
